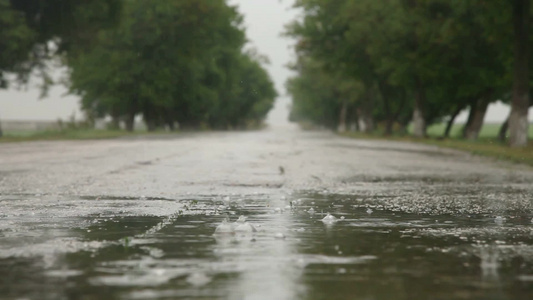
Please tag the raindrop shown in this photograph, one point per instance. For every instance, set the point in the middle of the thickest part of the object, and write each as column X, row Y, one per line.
column 341, row 271
column 279, row 235
column 329, row 219
column 243, row 226
column 499, row 220
column 225, row 228
column 198, row 279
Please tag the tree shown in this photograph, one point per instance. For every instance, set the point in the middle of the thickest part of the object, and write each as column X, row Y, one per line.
column 518, row 121
column 16, row 41
column 173, row 62
column 389, row 46
column 325, row 37
column 442, row 56
column 321, row 98
column 35, row 30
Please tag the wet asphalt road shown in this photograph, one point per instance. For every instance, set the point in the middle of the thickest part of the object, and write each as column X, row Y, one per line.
column 50, row 192
column 240, row 162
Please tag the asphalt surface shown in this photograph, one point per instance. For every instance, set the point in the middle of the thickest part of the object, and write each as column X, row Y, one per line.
column 73, row 214
column 271, row 161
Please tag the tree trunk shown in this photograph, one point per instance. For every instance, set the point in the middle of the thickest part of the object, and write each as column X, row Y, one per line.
column 396, row 115
column 342, row 117
column 369, row 107
column 130, row 122
column 451, row 121
column 169, row 121
column 389, row 124
column 502, row 134
column 364, row 111
column 471, row 112
column 478, row 115
column 365, row 120
column 171, row 125
column 369, row 122
column 361, row 120
column 150, row 117
column 356, row 121
column 419, row 123
column 150, row 125
column 389, row 118
column 115, row 120
column 518, row 122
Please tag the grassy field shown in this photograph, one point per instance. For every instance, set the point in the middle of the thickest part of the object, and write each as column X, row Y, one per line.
column 67, row 134
column 489, row 130
column 486, row 145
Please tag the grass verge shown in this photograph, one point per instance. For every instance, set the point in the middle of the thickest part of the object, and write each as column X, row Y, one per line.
column 490, row 147
column 489, row 130
column 69, row 134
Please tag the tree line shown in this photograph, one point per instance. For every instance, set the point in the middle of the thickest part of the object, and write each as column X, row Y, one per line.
column 175, row 63
column 34, row 31
column 396, row 62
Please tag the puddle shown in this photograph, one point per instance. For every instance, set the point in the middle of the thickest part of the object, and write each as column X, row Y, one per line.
column 373, row 250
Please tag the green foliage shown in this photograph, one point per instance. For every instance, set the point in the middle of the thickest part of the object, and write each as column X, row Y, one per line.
column 68, row 134
column 32, row 31
column 316, row 95
column 173, row 62
column 433, row 56
column 16, row 40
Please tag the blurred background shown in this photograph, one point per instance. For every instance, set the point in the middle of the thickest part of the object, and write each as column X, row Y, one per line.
column 236, row 64
column 23, row 107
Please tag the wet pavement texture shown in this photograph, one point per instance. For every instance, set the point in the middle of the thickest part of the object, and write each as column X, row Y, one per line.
column 136, row 218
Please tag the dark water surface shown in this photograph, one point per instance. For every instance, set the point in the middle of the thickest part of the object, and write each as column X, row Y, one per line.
column 375, row 250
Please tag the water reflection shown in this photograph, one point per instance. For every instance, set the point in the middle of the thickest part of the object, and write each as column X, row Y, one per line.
column 265, row 263
column 293, row 254
column 490, row 263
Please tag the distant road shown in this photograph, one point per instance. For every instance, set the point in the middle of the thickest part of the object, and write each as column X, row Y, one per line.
column 239, row 162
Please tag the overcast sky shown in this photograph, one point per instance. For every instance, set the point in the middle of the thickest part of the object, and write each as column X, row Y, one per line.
column 264, row 19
